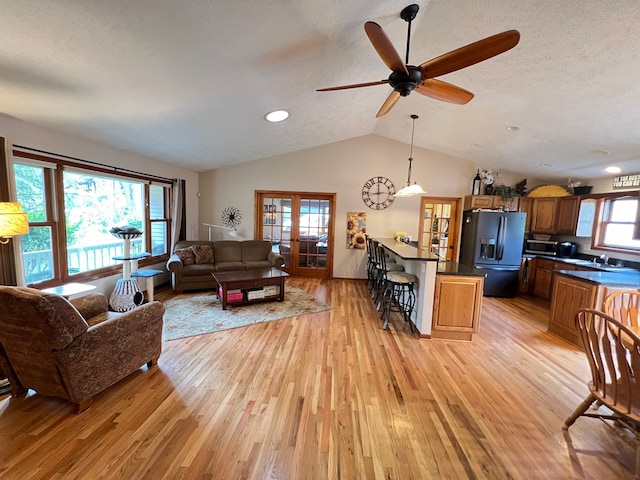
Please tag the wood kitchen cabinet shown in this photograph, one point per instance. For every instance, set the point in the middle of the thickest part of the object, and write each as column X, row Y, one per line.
column 570, row 295
column 542, row 278
column 490, row 202
column 525, row 205
column 554, row 215
column 543, row 215
column 567, row 215
column 456, row 307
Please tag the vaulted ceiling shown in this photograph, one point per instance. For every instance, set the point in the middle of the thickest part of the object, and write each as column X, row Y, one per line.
column 189, row 82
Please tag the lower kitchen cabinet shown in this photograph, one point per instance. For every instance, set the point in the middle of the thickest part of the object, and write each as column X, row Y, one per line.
column 456, row 307
column 542, row 278
column 568, row 296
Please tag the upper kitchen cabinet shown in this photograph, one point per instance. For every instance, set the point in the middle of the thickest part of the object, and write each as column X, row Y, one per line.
column 554, row 215
column 567, row 216
column 490, row 202
column 543, row 215
column 586, row 216
column 526, row 206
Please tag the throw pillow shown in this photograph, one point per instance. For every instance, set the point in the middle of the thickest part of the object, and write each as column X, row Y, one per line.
column 204, row 253
column 187, row 256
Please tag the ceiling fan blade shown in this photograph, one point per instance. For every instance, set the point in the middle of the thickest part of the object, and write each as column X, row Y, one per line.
column 355, row 85
column 444, row 91
column 470, row 54
column 388, row 104
column 384, row 47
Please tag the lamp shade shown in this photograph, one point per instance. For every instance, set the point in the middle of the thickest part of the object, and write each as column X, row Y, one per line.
column 12, row 220
column 410, row 190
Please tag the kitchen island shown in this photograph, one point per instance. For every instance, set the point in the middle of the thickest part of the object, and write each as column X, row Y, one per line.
column 576, row 289
column 448, row 294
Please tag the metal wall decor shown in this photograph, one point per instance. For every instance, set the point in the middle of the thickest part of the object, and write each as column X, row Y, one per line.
column 231, row 217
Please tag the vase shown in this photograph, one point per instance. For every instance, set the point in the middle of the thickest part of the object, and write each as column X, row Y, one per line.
column 488, row 190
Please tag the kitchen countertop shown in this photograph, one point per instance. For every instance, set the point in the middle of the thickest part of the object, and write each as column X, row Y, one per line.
column 627, row 278
column 598, row 274
column 407, row 252
column 455, row 268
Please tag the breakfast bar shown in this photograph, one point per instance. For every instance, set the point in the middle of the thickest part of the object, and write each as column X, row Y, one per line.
column 449, row 294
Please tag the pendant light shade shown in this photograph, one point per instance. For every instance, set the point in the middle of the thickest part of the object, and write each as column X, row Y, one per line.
column 409, row 190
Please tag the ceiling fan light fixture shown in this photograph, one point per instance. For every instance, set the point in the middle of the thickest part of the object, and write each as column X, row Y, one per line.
column 409, row 190
column 276, row 116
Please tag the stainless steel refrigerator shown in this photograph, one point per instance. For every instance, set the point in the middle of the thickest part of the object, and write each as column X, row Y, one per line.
column 492, row 243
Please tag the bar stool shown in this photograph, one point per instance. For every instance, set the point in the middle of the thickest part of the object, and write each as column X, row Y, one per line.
column 382, row 266
column 398, row 295
column 371, row 263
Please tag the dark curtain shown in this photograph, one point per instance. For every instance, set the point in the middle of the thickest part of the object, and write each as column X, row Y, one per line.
column 7, row 260
column 178, row 214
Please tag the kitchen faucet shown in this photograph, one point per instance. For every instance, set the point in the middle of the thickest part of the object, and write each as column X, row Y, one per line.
column 605, row 258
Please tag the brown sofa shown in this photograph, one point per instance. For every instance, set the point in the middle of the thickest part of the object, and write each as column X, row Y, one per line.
column 193, row 261
column 73, row 350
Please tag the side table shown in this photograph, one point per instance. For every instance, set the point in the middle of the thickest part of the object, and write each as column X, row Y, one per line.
column 69, row 289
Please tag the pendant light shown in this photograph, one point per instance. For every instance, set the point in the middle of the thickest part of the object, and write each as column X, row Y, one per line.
column 410, row 190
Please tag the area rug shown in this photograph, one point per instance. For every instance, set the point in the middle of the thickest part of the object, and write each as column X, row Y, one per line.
column 196, row 315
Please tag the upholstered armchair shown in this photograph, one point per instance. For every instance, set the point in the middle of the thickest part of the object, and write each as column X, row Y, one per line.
column 73, row 350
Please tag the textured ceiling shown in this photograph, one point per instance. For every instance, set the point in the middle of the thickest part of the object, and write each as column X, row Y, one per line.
column 189, row 82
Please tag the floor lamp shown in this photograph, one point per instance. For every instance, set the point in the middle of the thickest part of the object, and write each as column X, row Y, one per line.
column 232, row 231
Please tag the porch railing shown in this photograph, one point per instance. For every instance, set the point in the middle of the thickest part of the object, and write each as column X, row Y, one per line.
column 39, row 264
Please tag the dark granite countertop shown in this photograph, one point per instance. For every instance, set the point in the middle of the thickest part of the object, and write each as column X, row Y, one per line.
column 407, row 252
column 458, row 269
column 628, row 278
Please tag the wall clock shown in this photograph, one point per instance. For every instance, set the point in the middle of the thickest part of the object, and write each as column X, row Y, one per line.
column 231, row 217
column 378, row 193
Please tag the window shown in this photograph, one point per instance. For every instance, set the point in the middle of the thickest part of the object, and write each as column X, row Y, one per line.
column 69, row 235
column 617, row 221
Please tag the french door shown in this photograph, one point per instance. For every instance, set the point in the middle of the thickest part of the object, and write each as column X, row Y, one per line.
column 439, row 226
column 300, row 226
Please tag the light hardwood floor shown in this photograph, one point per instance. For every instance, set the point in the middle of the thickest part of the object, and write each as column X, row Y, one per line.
column 331, row 396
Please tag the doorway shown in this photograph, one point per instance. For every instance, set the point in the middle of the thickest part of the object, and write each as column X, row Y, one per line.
column 300, row 226
column 439, row 226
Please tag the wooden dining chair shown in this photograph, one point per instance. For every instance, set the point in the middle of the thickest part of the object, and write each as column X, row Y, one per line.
column 623, row 306
column 613, row 352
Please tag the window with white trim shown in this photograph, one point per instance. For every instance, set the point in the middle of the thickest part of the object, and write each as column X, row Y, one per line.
column 617, row 224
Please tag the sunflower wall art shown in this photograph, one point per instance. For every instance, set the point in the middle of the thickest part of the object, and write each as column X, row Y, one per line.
column 356, row 229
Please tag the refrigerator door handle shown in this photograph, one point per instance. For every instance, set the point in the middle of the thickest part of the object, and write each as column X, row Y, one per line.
column 502, row 232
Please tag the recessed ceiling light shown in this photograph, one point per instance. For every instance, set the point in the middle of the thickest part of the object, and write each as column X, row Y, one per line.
column 512, row 128
column 599, row 152
column 546, row 165
column 613, row 169
column 276, row 116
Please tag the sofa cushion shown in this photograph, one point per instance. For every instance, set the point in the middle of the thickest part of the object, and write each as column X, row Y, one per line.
column 197, row 270
column 255, row 250
column 226, row 266
column 259, row 264
column 204, row 253
column 227, row 251
column 187, row 255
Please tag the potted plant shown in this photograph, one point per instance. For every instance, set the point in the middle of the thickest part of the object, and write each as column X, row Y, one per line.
column 506, row 192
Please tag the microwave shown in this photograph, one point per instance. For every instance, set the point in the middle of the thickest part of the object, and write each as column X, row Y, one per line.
column 550, row 247
column 541, row 247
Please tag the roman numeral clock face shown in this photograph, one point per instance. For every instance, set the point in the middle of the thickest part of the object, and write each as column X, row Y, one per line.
column 378, row 193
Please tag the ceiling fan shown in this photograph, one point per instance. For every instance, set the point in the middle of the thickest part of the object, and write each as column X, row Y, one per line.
column 405, row 78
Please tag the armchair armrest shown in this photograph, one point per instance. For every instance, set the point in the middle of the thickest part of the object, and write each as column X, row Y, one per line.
column 276, row 259
column 174, row 264
column 90, row 305
column 110, row 350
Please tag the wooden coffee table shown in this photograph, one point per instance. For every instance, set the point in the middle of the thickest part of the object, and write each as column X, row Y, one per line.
column 251, row 280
